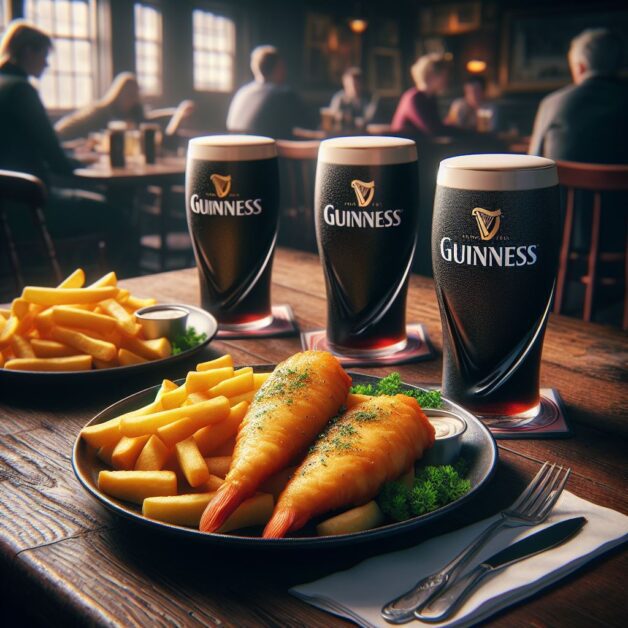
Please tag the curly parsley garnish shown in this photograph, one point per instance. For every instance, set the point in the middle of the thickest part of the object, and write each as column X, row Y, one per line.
column 391, row 385
column 186, row 341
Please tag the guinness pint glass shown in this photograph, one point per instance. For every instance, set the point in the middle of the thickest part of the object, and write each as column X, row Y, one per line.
column 232, row 196
column 495, row 243
column 366, row 201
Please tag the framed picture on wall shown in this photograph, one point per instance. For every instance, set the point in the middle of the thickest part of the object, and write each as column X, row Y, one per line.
column 385, row 71
column 535, row 46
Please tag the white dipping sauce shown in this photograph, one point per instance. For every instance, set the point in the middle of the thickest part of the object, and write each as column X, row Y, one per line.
column 446, row 426
column 164, row 313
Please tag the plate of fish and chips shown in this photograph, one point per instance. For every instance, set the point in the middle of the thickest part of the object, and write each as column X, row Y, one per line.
column 77, row 332
column 160, row 457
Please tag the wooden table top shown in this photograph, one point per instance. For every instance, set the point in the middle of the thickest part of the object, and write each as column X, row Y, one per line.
column 65, row 558
column 133, row 171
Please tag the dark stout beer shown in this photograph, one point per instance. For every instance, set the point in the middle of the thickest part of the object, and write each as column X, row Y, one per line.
column 366, row 203
column 495, row 242
column 232, row 196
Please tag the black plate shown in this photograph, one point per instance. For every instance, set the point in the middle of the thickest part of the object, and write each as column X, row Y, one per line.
column 201, row 320
column 478, row 448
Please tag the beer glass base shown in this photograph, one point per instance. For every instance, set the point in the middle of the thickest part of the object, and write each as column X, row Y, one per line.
column 380, row 352
column 520, row 417
column 248, row 326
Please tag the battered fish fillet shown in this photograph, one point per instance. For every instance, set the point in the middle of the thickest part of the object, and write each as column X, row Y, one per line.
column 288, row 412
column 372, row 443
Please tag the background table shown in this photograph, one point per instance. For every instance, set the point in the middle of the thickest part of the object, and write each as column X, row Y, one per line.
column 64, row 558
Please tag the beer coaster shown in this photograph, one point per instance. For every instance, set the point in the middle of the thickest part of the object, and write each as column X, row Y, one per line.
column 283, row 324
column 550, row 422
column 418, row 348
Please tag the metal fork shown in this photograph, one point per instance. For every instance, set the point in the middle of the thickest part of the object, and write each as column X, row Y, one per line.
column 532, row 508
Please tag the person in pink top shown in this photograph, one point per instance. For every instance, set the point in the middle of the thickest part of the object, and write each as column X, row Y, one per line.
column 417, row 111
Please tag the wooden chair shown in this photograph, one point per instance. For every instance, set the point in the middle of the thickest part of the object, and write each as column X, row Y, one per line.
column 297, row 162
column 595, row 178
column 165, row 242
column 20, row 190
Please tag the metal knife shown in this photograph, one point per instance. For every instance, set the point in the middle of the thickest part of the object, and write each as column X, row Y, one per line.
column 448, row 601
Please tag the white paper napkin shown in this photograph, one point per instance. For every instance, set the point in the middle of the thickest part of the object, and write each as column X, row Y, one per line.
column 359, row 593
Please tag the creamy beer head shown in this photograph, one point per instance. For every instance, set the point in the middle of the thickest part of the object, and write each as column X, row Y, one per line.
column 367, row 151
column 497, row 172
column 232, row 148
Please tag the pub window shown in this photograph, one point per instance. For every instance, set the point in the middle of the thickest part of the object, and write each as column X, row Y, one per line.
column 148, row 42
column 214, row 51
column 68, row 82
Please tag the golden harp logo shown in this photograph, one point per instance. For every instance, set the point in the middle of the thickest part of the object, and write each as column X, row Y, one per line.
column 364, row 191
column 488, row 222
column 222, row 184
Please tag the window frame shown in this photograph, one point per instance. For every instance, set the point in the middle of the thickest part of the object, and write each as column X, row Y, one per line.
column 157, row 6
column 222, row 11
column 96, row 42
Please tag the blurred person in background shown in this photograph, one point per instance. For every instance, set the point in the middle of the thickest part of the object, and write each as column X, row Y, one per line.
column 122, row 101
column 266, row 106
column 352, row 105
column 28, row 142
column 417, row 111
column 463, row 112
column 588, row 120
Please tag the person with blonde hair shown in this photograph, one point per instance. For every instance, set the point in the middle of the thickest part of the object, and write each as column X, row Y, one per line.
column 28, row 142
column 417, row 111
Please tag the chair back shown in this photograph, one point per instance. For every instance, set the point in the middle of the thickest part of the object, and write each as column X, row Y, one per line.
column 297, row 164
column 594, row 178
column 20, row 190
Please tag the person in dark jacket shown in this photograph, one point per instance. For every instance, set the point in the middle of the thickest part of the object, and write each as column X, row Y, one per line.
column 587, row 121
column 28, row 142
column 266, row 106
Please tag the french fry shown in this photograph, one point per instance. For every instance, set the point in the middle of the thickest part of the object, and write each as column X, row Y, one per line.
column 259, row 379
column 196, row 397
column 103, row 364
column 5, row 312
column 179, row 510
column 355, row 520
column 126, row 357
column 354, row 399
column 7, row 329
column 123, row 295
column 136, row 486
column 153, row 456
column 2, row 359
column 221, row 362
column 233, row 386
column 127, row 452
column 255, row 511
column 211, row 438
column 246, row 397
column 19, row 307
column 174, row 398
column 213, row 484
column 21, row 347
column 74, row 280
column 51, row 348
column 136, row 303
column 71, row 363
column 214, row 410
column 74, row 317
column 44, row 321
column 109, row 279
column 99, row 349
column 105, row 452
column 218, row 465
column 149, row 349
column 105, row 434
column 179, row 430
column 67, row 296
column 126, row 322
column 191, row 462
column 226, row 449
column 26, row 323
column 196, row 381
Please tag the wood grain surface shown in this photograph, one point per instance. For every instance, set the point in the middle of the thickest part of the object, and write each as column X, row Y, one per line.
column 66, row 560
